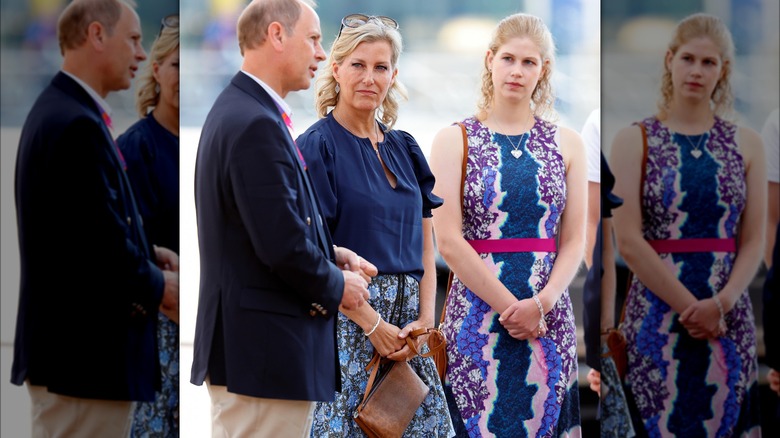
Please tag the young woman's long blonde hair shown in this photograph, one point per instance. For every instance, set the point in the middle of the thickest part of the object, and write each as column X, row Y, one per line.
column 532, row 27
column 326, row 94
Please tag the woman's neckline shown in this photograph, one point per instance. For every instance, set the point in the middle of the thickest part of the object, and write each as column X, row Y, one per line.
column 528, row 132
column 696, row 134
column 368, row 139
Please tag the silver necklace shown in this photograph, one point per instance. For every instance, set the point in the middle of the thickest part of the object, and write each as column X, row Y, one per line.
column 376, row 147
column 695, row 152
column 516, row 152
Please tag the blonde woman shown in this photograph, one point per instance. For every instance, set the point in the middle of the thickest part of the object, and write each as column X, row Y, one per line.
column 514, row 245
column 375, row 189
column 151, row 151
column 691, row 230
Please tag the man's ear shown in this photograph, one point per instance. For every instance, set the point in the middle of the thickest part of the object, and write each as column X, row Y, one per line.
column 96, row 35
column 275, row 35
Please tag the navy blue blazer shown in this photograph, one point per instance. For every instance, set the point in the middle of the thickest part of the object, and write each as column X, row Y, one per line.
column 89, row 291
column 269, row 291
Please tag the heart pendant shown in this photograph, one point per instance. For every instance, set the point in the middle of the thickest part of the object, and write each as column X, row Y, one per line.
column 517, row 152
column 696, row 153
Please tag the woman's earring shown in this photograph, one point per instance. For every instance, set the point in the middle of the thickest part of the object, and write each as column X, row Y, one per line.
column 338, row 88
column 156, row 88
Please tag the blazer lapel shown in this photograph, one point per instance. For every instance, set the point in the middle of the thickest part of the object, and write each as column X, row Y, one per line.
column 254, row 89
column 73, row 89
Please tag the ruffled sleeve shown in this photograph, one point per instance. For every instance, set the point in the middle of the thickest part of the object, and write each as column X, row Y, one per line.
column 425, row 178
column 318, row 155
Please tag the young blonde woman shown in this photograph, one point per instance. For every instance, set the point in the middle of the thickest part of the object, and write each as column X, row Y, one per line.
column 691, row 230
column 514, row 245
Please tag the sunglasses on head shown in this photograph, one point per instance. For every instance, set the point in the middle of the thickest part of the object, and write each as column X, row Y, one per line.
column 170, row 21
column 357, row 20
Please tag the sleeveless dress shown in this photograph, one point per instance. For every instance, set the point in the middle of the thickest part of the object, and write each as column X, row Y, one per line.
column 682, row 386
column 501, row 386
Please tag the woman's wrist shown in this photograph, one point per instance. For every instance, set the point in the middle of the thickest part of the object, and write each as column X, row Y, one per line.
column 426, row 318
column 539, row 305
column 546, row 299
column 722, row 326
column 427, row 322
column 373, row 328
column 728, row 300
column 505, row 303
column 719, row 305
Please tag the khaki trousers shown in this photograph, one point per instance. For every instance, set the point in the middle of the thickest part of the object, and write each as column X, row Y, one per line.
column 236, row 415
column 55, row 415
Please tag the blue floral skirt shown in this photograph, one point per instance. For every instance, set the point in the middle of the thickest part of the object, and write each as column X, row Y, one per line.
column 615, row 415
column 160, row 418
column 432, row 418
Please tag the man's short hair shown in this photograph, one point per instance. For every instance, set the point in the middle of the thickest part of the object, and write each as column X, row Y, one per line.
column 259, row 14
column 79, row 14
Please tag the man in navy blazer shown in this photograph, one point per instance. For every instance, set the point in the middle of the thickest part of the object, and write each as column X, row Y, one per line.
column 265, row 337
column 90, row 287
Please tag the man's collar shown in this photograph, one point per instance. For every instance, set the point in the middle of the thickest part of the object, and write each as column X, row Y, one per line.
column 92, row 93
column 274, row 95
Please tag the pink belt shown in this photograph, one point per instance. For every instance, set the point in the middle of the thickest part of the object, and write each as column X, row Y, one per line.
column 513, row 245
column 693, row 245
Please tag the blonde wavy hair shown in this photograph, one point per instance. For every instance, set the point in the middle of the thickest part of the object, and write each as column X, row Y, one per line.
column 326, row 95
column 518, row 26
column 147, row 94
column 713, row 28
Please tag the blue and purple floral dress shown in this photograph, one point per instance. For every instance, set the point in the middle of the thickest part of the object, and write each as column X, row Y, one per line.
column 502, row 386
column 682, row 386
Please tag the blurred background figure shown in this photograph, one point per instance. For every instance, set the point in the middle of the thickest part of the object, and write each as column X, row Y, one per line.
column 41, row 31
column 219, row 32
column 771, row 294
column 615, row 418
column 151, row 150
column 591, row 291
column 591, row 137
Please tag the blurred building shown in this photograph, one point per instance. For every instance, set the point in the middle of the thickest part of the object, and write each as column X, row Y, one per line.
column 445, row 42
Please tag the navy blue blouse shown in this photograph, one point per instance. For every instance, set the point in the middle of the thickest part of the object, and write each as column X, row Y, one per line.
column 363, row 211
column 152, row 156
